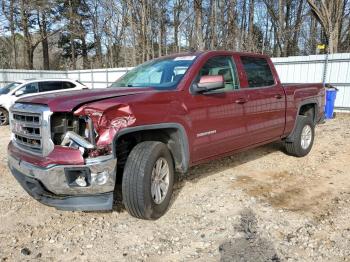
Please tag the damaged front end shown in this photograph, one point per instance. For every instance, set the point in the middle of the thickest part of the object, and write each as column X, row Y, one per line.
column 69, row 176
column 91, row 133
column 103, row 126
column 91, row 130
column 73, row 131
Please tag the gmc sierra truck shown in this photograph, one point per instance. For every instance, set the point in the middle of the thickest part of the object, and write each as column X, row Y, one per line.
column 70, row 150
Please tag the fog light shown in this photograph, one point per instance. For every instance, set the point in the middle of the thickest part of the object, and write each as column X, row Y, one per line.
column 78, row 176
column 101, row 178
column 81, row 181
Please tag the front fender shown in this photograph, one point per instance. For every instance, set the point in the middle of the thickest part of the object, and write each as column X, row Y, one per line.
column 180, row 136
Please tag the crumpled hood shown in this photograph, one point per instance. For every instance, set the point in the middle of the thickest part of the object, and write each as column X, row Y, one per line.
column 70, row 100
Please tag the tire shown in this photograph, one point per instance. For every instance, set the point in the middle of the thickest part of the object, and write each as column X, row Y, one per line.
column 4, row 117
column 138, row 186
column 297, row 144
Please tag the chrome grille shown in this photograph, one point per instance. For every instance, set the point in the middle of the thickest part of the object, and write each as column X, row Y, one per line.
column 30, row 128
column 28, row 118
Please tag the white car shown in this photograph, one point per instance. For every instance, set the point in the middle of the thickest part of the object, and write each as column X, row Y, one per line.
column 31, row 87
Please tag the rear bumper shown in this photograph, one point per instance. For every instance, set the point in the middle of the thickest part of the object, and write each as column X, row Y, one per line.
column 53, row 187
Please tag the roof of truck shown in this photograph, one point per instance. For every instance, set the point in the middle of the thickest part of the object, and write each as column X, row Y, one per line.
column 197, row 53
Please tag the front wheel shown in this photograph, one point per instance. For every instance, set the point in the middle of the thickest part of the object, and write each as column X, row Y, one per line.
column 148, row 180
column 299, row 143
column 4, row 117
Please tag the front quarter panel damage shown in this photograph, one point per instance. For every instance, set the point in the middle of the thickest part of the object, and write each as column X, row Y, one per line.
column 107, row 123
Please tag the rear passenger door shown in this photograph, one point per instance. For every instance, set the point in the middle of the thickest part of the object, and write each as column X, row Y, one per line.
column 265, row 104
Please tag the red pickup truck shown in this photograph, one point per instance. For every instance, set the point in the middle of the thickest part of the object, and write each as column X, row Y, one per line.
column 69, row 150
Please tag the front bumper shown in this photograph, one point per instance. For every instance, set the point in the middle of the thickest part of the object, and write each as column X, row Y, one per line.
column 50, row 185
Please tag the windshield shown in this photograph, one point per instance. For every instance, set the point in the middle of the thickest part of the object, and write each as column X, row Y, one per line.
column 8, row 88
column 163, row 73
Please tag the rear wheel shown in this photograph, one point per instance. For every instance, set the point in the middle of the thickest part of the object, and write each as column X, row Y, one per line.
column 4, row 117
column 301, row 141
column 148, row 180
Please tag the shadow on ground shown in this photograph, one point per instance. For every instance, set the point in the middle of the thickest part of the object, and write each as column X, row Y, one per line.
column 249, row 246
column 195, row 174
column 211, row 168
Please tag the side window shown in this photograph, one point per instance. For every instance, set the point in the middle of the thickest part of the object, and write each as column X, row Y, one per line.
column 258, row 71
column 30, row 88
column 178, row 73
column 221, row 65
column 67, row 85
column 155, row 77
column 50, row 86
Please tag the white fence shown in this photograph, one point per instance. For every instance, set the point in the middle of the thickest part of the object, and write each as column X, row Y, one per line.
column 310, row 69
column 299, row 69
column 96, row 78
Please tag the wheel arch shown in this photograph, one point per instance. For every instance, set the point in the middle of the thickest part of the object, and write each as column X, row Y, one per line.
column 309, row 108
column 304, row 109
column 8, row 114
column 173, row 134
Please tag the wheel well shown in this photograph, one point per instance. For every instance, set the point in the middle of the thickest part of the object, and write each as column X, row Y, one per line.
column 308, row 110
column 172, row 137
column 1, row 107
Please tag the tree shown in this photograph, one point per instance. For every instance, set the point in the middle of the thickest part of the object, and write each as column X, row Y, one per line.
column 47, row 14
column 198, row 37
column 286, row 17
column 10, row 11
column 109, row 33
column 330, row 15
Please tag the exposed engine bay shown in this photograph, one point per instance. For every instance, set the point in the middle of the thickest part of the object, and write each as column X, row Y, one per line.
column 75, row 132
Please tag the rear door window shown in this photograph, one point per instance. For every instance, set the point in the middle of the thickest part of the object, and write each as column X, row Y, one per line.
column 258, row 71
column 50, row 86
column 67, row 85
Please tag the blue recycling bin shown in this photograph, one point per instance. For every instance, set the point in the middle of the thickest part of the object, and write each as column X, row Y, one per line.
column 331, row 95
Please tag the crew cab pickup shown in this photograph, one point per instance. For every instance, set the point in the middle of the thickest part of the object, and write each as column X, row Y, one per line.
column 70, row 150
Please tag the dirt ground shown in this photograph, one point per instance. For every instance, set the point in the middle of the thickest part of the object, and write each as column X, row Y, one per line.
column 260, row 205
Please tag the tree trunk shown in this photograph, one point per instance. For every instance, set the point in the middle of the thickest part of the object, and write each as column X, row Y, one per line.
column 46, row 54
column 31, row 57
column 176, row 17
column 45, row 41
column 98, row 49
column 72, row 43
column 313, row 35
column 243, row 24
column 251, row 27
column 11, row 19
column 84, row 54
column 27, row 44
column 199, row 45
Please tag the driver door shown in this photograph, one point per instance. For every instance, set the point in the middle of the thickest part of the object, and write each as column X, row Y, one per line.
column 217, row 120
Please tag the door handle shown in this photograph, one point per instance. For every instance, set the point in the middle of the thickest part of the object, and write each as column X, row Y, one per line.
column 241, row 101
column 278, row 96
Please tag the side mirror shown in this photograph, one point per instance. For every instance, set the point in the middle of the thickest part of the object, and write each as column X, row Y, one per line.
column 209, row 83
column 19, row 93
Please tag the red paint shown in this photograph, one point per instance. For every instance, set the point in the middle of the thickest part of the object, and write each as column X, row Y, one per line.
column 236, row 120
column 67, row 101
column 59, row 156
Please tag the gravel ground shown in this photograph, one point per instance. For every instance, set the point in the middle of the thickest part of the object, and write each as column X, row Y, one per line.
column 260, row 205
